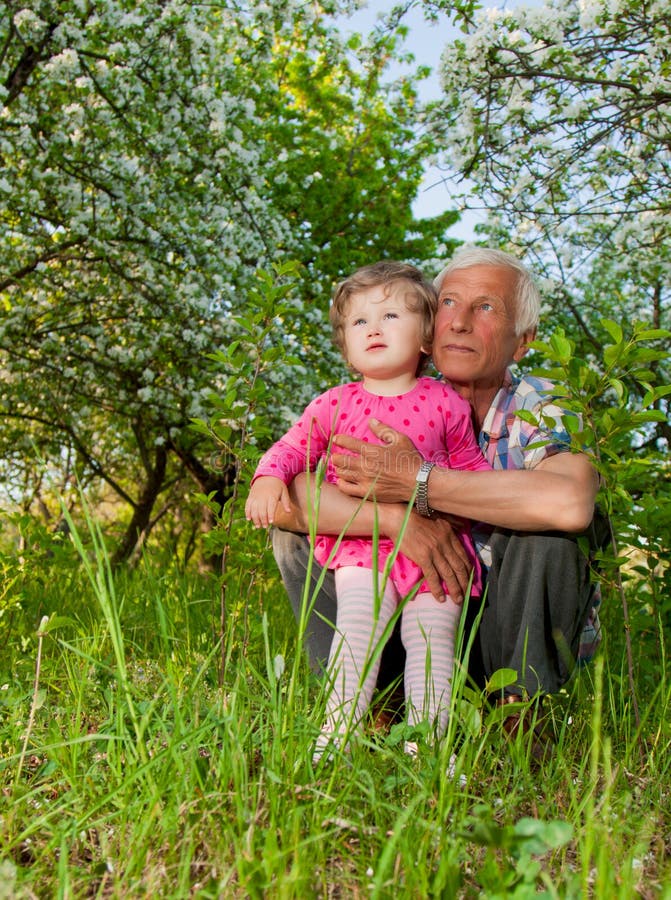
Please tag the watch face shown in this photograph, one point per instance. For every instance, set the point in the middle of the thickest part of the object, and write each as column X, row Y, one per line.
column 424, row 471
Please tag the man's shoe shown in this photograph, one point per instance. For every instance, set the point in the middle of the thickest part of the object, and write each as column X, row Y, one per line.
column 387, row 710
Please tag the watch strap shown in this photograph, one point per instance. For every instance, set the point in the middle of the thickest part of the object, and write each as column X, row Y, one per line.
column 422, row 495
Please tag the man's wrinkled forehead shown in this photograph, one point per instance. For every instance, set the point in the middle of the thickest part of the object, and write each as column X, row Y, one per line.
column 486, row 281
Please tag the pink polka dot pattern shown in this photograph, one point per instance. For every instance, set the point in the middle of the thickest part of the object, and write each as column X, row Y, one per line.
column 432, row 415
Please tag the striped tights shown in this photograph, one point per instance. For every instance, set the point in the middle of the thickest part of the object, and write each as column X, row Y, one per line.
column 427, row 631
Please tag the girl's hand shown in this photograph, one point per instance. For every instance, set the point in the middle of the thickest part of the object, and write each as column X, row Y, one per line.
column 264, row 495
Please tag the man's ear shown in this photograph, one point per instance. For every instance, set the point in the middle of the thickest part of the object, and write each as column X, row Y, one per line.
column 523, row 345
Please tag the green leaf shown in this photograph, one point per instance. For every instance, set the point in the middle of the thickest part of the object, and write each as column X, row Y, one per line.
column 200, row 426
column 650, row 415
column 527, row 416
column 470, row 718
column 612, row 353
column 613, row 329
column 656, row 393
column 652, row 334
column 56, row 622
column 40, row 698
column 539, row 836
column 501, row 679
column 562, row 347
column 618, row 387
column 572, row 424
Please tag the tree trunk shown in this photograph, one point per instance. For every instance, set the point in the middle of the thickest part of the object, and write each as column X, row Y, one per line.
column 140, row 521
column 220, row 484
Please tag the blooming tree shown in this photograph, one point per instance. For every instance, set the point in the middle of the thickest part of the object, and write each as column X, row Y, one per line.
column 154, row 155
column 130, row 194
column 560, row 116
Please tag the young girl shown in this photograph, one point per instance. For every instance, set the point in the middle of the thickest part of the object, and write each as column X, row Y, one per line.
column 382, row 318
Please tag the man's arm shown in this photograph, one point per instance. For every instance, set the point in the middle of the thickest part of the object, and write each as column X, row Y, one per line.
column 431, row 543
column 558, row 495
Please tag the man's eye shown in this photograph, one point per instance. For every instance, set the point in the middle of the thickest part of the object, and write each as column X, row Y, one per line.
column 486, row 306
column 448, row 301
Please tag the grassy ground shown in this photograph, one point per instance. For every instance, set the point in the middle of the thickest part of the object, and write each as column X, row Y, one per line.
column 128, row 772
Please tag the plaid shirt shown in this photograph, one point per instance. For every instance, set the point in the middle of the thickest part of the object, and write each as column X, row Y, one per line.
column 510, row 442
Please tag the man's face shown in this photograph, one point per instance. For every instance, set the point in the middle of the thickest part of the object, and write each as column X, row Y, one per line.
column 474, row 339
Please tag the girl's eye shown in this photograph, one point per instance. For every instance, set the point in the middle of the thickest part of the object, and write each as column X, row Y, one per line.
column 391, row 315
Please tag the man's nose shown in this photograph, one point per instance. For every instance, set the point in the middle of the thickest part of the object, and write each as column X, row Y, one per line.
column 460, row 320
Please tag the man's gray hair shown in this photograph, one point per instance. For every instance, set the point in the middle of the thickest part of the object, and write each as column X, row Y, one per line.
column 527, row 296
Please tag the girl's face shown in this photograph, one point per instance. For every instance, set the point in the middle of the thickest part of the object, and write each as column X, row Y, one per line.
column 382, row 336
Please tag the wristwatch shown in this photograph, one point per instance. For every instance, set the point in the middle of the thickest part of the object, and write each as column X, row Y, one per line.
column 422, row 495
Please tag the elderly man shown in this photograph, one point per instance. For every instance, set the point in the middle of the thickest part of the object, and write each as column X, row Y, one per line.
column 531, row 507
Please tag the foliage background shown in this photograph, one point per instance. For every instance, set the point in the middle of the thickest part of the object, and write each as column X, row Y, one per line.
column 182, row 184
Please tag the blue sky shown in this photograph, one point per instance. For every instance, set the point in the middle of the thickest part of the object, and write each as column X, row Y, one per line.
column 426, row 41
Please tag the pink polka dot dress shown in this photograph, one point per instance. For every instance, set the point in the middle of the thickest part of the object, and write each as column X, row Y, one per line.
column 431, row 414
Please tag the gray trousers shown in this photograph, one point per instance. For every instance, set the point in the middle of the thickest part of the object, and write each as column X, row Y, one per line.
column 538, row 597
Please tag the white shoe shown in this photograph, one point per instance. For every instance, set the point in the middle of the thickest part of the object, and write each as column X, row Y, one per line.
column 325, row 746
column 452, row 771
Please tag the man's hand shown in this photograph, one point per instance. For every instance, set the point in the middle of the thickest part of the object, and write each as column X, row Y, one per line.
column 385, row 472
column 264, row 496
column 435, row 547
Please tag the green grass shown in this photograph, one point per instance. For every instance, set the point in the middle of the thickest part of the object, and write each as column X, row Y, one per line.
column 127, row 771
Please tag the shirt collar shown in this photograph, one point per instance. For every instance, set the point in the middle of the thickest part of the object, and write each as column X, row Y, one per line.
column 495, row 424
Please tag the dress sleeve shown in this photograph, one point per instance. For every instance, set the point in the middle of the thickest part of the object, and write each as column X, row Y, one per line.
column 302, row 446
